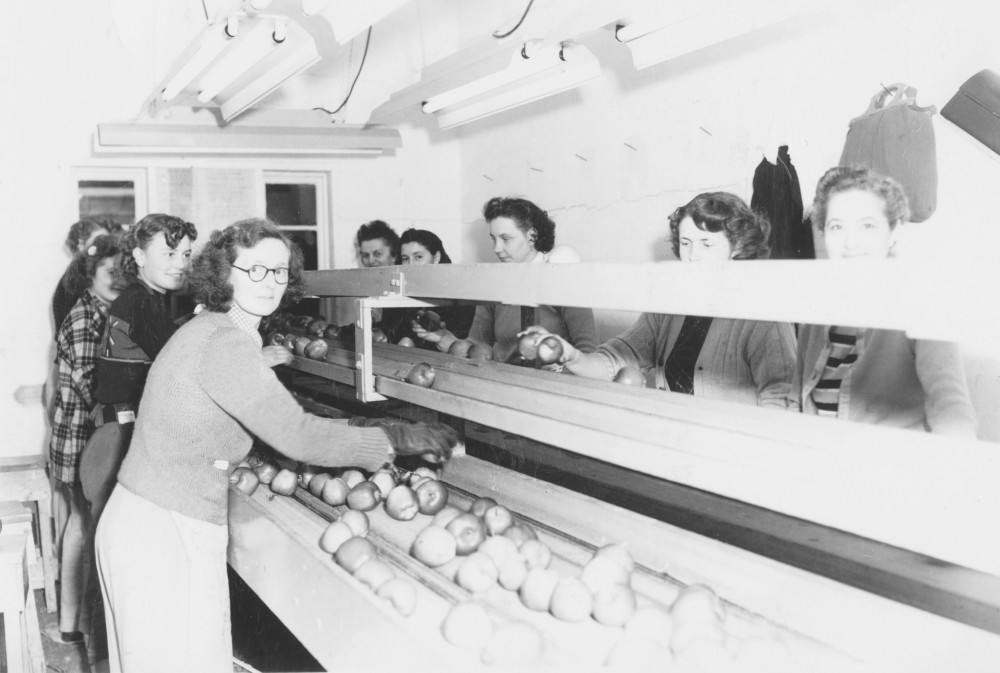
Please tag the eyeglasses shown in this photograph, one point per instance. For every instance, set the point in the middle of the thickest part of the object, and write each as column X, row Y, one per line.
column 258, row 272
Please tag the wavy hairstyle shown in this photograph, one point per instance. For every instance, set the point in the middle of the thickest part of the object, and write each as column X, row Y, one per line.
column 528, row 217
column 81, row 230
column 746, row 231
column 211, row 268
column 80, row 274
column 850, row 178
column 427, row 239
column 379, row 229
column 174, row 230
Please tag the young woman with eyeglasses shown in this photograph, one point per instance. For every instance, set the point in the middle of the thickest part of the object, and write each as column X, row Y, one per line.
column 161, row 544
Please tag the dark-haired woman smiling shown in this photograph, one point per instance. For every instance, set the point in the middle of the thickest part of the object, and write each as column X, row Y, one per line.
column 161, row 544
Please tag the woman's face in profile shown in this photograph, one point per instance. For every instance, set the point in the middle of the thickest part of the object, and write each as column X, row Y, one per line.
column 696, row 245
column 414, row 253
column 510, row 244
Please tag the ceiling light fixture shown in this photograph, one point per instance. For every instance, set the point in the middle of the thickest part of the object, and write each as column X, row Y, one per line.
column 533, row 74
column 248, row 51
column 209, row 44
column 349, row 17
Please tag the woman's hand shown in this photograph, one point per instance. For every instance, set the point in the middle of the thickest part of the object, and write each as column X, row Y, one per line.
column 429, row 337
column 276, row 355
column 434, row 442
column 570, row 353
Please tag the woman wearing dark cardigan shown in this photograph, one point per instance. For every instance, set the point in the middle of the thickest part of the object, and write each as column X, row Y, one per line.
column 161, row 544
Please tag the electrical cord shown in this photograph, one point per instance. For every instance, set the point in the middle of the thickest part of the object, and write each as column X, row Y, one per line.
column 527, row 9
column 364, row 57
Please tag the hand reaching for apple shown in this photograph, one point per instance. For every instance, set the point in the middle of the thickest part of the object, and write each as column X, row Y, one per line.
column 276, row 355
column 433, row 442
column 547, row 348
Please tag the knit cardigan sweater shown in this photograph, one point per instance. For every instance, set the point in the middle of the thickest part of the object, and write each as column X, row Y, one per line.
column 740, row 361
column 209, row 393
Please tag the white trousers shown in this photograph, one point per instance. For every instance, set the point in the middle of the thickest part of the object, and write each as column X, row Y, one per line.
column 166, row 592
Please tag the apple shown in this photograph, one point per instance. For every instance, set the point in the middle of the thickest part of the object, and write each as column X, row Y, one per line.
column 432, row 496
column 422, row 374
column 445, row 516
column 514, row 646
column 401, row 593
column 385, row 479
column 299, row 321
column 618, row 553
column 459, row 349
column 434, row 546
column 335, row 491
column 696, row 604
column 527, row 345
column 602, row 571
column 317, row 483
column 317, row 327
column 275, row 339
column 479, row 351
column 536, row 589
column 477, row 573
column 364, row 497
column 354, row 553
column 374, row 573
column 289, row 341
column 429, row 320
column 613, row 605
column 630, row 376
column 331, row 332
column 356, row 521
column 571, row 600
column 336, row 534
column 480, row 505
column 513, row 571
column 245, row 479
column 536, row 553
column 550, row 349
column 424, row 471
column 500, row 548
column 266, row 471
column 519, row 532
column 497, row 519
column 467, row 625
column 352, row 477
column 406, row 342
column 401, row 503
column 284, row 482
column 379, row 337
column 418, row 482
column 469, row 530
column 305, row 475
column 317, row 349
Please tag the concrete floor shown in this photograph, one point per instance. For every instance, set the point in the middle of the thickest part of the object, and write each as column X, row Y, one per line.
column 59, row 657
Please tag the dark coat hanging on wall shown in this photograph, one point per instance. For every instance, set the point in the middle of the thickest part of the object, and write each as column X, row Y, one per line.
column 777, row 195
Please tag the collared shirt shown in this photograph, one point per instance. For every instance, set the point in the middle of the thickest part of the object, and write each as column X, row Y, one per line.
column 246, row 322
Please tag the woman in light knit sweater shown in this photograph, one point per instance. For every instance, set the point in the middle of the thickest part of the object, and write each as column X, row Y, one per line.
column 161, row 543
column 739, row 360
column 521, row 233
column 875, row 375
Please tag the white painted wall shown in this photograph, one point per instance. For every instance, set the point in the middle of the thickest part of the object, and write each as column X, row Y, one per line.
column 704, row 121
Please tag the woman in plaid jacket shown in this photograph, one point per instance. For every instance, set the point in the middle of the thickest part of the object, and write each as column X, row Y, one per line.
column 94, row 275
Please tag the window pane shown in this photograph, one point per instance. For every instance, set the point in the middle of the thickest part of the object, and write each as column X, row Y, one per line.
column 114, row 199
column 306, row 240
column 291, row 205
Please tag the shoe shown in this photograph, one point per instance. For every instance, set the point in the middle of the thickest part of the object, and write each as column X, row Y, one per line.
column 53, row 633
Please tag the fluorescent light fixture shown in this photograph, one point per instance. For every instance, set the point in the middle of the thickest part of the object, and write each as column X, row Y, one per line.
column 283, row 62
column 349, row 17
column 238, row 139
column 528, row 78
column 253, row 45
column 209, row 44
column 674, row 30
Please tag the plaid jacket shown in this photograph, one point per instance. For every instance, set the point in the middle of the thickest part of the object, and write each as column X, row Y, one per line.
column 77, row 343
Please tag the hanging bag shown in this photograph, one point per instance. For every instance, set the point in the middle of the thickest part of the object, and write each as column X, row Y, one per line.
column 895, row 137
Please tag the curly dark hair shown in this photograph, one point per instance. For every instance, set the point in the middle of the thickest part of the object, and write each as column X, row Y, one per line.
column 80, row 274
column 81, row 230
column 746, row 231
column 379, row 229
column 528, row 216
column 428, row 239
column 850, row 178
column 211, row 268
column 174, row 231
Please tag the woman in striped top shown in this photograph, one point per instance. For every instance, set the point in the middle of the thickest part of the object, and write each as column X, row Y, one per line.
column 875, row 375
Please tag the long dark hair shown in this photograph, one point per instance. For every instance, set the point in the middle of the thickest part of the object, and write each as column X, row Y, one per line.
column 428, row 239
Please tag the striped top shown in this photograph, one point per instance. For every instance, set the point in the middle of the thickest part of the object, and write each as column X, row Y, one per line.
column 843, row 355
